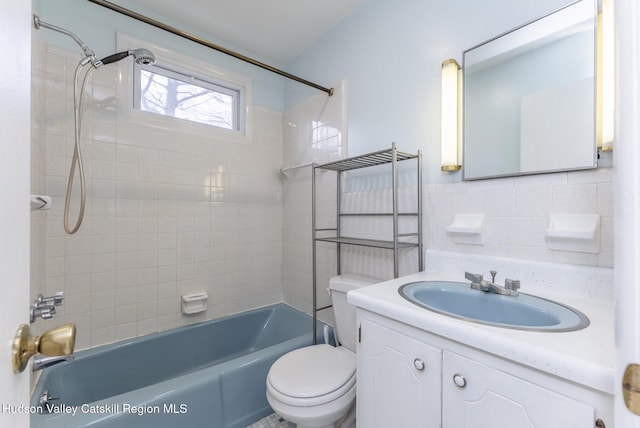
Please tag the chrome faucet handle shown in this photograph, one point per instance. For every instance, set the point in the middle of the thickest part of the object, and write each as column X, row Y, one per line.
column 513, row 285
column 47, row 312
column 473, row 277
column 493, row 275
column 55, row 300
column 45, row 307
column 43, row 311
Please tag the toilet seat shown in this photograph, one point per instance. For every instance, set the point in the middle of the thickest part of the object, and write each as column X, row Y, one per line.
column 313, row 375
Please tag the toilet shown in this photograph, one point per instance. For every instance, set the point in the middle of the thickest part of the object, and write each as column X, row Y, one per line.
column 315, row 386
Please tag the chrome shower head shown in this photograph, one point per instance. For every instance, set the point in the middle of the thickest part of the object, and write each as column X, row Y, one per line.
column 141, row 56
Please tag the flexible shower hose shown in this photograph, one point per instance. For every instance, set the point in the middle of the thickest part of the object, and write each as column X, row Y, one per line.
column 76, row 160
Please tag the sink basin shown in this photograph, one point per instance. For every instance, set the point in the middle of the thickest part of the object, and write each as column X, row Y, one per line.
column 521, row 312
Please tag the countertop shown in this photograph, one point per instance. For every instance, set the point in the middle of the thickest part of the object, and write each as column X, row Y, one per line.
column 585, row 356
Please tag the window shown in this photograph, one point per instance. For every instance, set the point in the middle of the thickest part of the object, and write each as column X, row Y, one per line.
column 172, row 92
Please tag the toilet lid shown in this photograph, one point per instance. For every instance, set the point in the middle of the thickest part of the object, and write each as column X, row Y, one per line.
column 312, row 371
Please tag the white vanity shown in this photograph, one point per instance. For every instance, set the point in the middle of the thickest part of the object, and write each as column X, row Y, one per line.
column 418, row 368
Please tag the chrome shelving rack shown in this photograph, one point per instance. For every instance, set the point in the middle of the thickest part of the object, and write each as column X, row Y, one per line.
column 390, row 156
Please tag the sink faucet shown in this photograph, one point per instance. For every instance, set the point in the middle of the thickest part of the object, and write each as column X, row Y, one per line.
column 510, row 288
column 40, row 362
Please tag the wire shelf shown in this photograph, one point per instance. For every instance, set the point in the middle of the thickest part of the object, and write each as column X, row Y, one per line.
column 371, row 159
column 367, row 242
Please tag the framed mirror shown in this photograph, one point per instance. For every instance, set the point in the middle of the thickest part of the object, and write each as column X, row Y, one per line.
column 530, row 97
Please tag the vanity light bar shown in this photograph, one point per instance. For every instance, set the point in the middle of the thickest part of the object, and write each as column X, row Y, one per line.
column 450, row 128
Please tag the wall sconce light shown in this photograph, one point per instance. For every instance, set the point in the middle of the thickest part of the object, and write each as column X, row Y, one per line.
column 450, row 128
column 606, row 77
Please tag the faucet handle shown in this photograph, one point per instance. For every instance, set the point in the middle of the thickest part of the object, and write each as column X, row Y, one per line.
column 473, row 277
column 45, row 306
column 513, row 285
column 55, row 300
column 47, row 312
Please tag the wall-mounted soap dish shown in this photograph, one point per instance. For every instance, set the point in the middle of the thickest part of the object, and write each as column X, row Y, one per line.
column 574, row 232
column 194, row 303
column 467, row 229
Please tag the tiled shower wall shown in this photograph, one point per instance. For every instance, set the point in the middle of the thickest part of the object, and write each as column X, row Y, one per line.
column 314, row 131
column 516, row 211
column 168, row 213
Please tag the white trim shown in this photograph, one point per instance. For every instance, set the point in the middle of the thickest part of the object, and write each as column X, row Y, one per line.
column 15, row 122
column 627, row 200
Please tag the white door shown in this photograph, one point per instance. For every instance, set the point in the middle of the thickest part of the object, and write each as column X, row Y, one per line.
column 627, row 199
column 15, row 141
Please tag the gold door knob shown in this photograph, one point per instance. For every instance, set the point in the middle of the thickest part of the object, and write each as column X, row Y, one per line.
column 631, row 388
column 58, row 341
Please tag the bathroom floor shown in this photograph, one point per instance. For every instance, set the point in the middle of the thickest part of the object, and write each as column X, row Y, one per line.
column 272, row 421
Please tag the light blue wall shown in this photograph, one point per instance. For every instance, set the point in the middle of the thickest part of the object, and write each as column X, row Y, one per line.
column 390, row 53
column 97, row 26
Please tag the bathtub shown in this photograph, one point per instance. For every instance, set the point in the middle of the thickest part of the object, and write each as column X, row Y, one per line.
column 210, row 374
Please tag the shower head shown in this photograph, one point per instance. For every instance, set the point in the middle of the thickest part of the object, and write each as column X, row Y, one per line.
column 141, row 56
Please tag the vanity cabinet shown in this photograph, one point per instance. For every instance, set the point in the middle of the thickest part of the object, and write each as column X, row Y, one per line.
column 398, row 380
column 475, row 395
column 408, row 377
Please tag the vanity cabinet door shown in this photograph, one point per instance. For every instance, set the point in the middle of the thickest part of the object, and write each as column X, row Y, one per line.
column 478, row 396
column 398, row 380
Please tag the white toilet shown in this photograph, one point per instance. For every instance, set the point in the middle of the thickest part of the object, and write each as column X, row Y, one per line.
column 315, row 386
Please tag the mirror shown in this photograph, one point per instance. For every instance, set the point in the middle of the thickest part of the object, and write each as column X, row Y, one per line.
column 530, row 97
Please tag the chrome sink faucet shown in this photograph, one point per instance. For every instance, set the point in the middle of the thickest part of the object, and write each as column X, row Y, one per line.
column 510, row 288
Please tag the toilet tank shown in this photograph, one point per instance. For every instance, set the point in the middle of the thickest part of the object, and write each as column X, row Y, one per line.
column 344, row 312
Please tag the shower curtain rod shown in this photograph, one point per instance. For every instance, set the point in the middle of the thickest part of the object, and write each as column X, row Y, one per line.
column 196, row 39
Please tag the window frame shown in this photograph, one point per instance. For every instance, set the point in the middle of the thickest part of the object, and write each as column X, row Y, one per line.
column 188, row 76
column 184, row 65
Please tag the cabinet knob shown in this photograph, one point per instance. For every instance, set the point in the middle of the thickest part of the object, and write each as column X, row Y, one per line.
column 459, row 380
column 419, row 364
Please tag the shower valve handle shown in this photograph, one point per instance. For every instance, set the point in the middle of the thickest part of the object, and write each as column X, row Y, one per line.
column 45, row 307
column 55, row 300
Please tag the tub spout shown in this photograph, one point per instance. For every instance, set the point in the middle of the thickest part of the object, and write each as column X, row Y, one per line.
column 40, row 362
